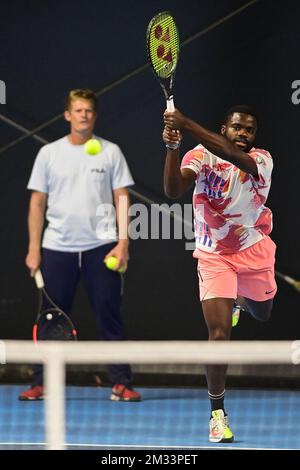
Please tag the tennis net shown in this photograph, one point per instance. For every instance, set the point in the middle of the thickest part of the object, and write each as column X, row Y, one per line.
column 174, row 412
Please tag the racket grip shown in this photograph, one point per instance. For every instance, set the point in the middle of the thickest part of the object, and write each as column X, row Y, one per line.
column 290, row 280
column 170, row 104
column 39, row 279
column 286, row 278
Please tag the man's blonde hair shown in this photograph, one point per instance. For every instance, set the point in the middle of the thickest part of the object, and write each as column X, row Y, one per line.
column 80, row 93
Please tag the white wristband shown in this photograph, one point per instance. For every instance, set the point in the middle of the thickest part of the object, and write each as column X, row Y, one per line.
column 173, row 146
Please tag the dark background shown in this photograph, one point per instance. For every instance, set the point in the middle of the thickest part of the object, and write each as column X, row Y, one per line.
column 50, row 47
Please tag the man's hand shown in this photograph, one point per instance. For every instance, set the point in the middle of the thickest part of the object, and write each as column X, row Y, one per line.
column 33, row 261
column 120, row 251
column 174, row 120
column 171, row 137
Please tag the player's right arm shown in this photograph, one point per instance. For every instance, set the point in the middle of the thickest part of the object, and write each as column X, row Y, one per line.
column 176, row 180
column 36, row 219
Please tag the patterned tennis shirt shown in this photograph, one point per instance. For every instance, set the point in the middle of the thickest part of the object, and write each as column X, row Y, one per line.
column 229, row 204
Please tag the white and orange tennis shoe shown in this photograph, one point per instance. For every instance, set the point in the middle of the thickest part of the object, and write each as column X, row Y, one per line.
column 121, row 392
column 36, row 392
column 219, row 430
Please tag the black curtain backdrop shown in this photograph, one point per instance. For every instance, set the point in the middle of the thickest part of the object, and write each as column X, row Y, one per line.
column 50, row 47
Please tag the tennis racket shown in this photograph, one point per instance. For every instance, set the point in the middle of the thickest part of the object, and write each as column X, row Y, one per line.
column 163, row 52
column 289, row 280
column 51, row 323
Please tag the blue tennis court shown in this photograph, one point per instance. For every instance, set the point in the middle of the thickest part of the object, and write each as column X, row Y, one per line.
column 166, row 418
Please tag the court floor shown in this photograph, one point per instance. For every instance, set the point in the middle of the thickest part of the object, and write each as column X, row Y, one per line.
column 167, row 418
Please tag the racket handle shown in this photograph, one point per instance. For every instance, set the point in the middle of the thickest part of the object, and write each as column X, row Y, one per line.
column 286, row 278
column 289, row 280
column 170, row 104
column 39, row 279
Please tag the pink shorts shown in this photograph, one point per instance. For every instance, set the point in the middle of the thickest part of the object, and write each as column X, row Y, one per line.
column 248, row 273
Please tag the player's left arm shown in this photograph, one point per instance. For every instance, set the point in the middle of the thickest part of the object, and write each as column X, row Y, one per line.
column 121, row 250
column 215, row 143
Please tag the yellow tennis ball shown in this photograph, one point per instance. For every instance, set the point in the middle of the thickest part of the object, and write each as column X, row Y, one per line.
column 111, row 263
column 92, row 147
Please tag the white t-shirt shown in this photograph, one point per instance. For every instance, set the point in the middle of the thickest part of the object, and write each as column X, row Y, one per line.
column 80, row 210
column 229, row 209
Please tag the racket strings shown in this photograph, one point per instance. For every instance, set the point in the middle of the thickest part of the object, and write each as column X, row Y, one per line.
column 53, row 325
column 163, row 45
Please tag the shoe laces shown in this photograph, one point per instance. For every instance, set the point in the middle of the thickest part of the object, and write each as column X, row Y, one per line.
column 219, row 423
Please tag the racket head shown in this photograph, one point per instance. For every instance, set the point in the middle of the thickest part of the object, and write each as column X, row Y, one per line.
column 163, row 44
column 53, row 324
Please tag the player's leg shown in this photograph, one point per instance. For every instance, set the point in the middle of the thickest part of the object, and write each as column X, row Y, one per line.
column 218, row 290
column 256, row 279
column 261, row 311
column 61, row 273
column 104, row 288
column 218, row 316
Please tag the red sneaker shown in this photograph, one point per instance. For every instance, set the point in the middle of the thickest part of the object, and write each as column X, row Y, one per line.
column 34, row 393
column 122, row 393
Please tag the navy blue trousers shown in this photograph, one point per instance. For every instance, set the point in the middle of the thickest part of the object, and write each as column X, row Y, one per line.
column 62, row 272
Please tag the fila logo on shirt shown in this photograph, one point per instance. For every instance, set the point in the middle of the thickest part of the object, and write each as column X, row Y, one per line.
column 97, row 170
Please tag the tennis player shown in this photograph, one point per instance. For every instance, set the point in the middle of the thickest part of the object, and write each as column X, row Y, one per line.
column 235, row 254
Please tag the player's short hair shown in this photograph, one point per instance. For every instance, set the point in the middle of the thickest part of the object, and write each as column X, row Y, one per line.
column 80, row 93
column 240, row 108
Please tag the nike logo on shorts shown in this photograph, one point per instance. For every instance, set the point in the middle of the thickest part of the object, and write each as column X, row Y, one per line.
column 270, row 291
